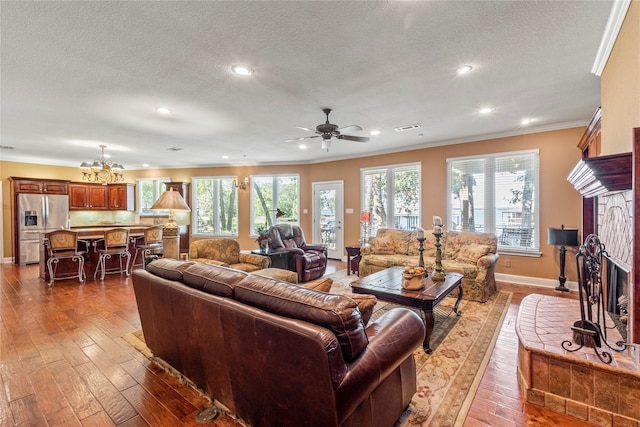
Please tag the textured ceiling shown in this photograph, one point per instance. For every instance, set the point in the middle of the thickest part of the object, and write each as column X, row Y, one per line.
column 78, row 74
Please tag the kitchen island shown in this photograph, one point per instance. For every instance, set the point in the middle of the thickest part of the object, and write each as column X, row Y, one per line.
column 92, row 236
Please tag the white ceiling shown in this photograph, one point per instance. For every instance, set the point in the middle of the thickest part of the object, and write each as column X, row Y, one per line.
column 75, row 75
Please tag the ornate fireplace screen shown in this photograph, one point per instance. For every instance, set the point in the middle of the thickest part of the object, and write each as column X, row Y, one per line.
column 591, row 329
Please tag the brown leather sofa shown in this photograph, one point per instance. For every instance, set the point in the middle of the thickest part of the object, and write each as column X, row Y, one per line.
column 277, row 354
column 310, row 260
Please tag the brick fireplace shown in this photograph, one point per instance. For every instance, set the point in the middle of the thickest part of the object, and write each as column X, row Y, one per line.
column 578, row 383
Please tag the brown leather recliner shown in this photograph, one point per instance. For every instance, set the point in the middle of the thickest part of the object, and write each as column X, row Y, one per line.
column 310, row 260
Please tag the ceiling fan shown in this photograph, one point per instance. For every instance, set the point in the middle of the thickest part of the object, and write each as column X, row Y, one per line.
column 328, row 130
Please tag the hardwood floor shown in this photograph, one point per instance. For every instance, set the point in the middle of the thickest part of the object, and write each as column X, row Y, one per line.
column 63, row 362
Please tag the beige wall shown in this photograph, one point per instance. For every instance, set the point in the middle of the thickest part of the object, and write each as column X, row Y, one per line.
column 620, row 86
column 560, row 203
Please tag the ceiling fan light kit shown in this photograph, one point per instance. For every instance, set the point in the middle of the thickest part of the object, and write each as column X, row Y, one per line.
column 328, row 130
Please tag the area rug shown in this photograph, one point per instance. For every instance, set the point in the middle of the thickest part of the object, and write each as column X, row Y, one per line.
column 448, row 378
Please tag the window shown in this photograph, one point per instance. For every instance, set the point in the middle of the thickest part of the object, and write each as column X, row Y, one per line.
column 391, row 195
column 496, row 194
column 148, row 192
column 274, row 199
column 215, row 206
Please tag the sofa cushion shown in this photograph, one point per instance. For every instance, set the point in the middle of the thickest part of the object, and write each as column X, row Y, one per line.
column 167, row 268
column 472, row 253
column 337, row 313
column 383, row 245
column 213, row 279
column 391, row 260
column 429, row 244
column 468, row 271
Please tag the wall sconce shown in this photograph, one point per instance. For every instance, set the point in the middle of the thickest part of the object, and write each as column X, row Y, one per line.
column 242, row 185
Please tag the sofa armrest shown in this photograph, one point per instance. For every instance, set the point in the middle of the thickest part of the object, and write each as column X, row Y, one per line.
column 258, row 260
column 486, row 261
column 392, row 338
column 314, row 247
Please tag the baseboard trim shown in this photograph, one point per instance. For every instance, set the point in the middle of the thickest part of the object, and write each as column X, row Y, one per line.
column 534, row 281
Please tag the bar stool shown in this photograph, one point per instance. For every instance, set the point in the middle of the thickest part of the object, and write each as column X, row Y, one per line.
column 116, row 242
column 147, row 244
column 63, row 244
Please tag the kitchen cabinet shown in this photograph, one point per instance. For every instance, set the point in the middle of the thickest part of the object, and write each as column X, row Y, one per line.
column 87, row 197
column 37, row 186
column 121, row 197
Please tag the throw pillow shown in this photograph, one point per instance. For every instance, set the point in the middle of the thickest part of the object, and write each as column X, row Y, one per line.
column 365, row 303
column 470, row 254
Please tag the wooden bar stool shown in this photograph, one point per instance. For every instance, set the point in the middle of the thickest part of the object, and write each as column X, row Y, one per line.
column 116, row 242
column 63, row 244
column 149, row 243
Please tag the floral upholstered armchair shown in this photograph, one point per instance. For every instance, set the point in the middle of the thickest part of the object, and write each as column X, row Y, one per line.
column 310, row 260
column 226, row 252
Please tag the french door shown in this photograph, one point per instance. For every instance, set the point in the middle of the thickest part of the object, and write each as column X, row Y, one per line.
column 328, row 216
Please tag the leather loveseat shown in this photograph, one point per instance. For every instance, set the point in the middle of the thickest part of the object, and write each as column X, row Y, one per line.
column 472, row 254
column 277, row 354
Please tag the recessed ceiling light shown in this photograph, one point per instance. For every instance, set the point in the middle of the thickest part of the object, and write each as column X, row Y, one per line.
column 163, row 110
column 225, row 157
column 464, row 70
column 526, row 122
column 145, row 165
column 302, row 146
column 486, row 110
column 375, row 132
column 242, row 70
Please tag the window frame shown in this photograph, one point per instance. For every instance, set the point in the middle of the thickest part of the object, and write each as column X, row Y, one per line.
column 157, row 182
column 390, row 171
column 253, row 233
column 491, row 224
column 195, row 232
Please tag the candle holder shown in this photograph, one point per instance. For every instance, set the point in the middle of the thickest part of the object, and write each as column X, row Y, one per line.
column 421, row 249
column 438, row 274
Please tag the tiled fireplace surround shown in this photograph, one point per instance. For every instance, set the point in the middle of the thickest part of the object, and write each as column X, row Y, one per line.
column 579, row 384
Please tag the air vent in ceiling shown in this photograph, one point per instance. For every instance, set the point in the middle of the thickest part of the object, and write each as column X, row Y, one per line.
column 174, row 149
column 407, row 127
column 6, row 147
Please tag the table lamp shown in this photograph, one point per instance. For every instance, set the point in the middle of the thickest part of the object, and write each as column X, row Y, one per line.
column 172, row 201
column 562, row 237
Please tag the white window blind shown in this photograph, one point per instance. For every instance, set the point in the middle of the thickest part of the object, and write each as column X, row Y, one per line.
column 497, row 194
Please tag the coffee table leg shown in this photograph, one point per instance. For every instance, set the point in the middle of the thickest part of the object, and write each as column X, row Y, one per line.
column 428, row 325
column 455, row 307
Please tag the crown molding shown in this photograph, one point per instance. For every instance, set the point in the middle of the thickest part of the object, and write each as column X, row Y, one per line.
column 616, row 17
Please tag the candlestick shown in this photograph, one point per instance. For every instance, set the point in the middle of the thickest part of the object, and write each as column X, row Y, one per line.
column 420, row 233
column 438, row 274
column 421, row 249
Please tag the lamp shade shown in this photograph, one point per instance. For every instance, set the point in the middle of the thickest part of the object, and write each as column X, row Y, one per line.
column 562, row 237
column 365, row 216
column 170, row 200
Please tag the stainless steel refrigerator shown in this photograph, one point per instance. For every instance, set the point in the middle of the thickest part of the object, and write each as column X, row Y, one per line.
column 38, row 213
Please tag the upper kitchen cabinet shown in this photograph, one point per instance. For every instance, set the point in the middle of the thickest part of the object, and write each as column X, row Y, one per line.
column 121, row 197
column 87, row 197
column 37, row 186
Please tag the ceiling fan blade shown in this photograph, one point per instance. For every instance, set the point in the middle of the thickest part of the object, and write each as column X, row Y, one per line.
column 354, row 138
column 301, row 138
column 304, row 128
column 350, row 128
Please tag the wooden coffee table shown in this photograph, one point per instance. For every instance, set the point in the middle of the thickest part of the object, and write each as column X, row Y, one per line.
column 386, row 285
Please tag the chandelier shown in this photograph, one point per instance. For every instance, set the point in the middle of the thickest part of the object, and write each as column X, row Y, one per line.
column 102, row 171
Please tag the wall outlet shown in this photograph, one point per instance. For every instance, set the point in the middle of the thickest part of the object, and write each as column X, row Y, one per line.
column 507, row 263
